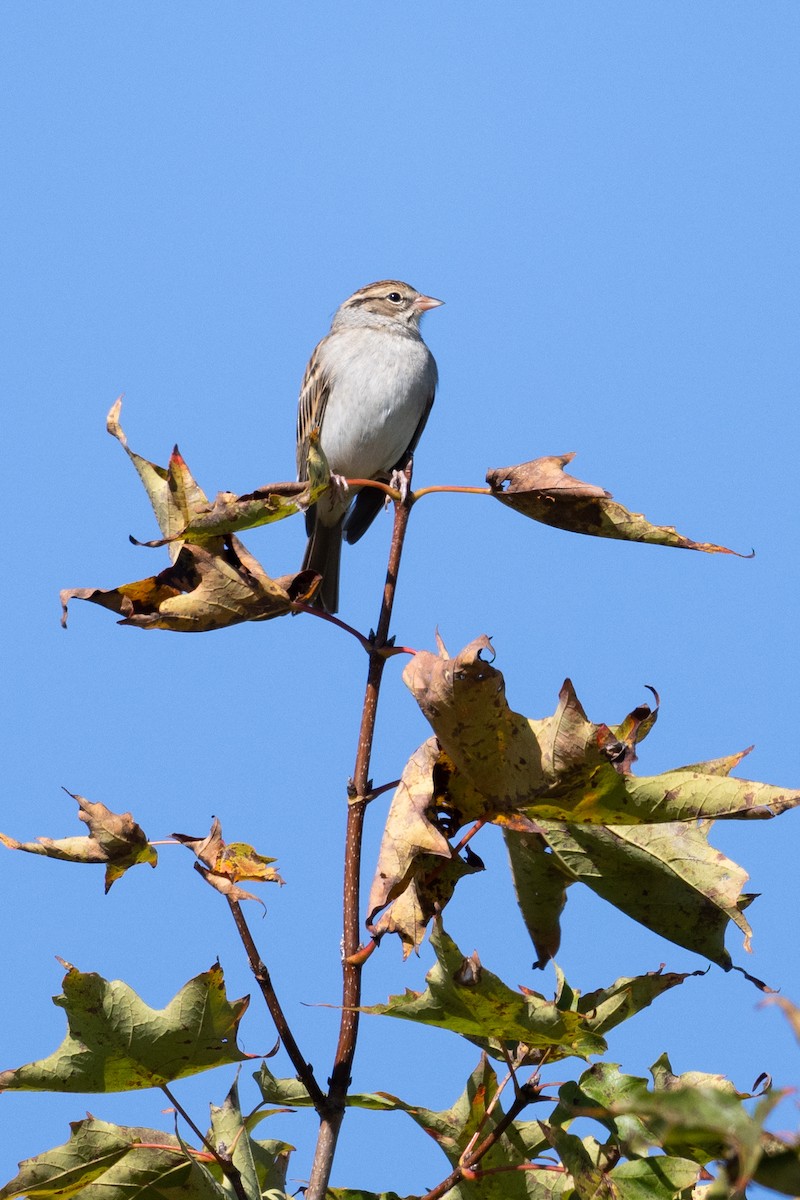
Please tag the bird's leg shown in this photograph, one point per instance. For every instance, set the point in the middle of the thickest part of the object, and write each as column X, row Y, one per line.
column 399, row 481
column 339, row 490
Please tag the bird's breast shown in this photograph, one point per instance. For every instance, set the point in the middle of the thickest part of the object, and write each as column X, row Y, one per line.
column 380, row 386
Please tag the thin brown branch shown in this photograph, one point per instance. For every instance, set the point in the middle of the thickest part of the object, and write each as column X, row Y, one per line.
column 527, row 1095
column 356, row 810
column 301, row 606
column 226, row 1166
column 262, row 977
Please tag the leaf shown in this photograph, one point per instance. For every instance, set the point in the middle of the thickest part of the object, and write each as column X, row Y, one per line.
column 417, row 870
column 605, row 1008
column 715, row 1127
column 116, row 840
column 291, row 1092
column 110, row 1162
column 540, row 883
column 659, row 1178
column 213, row 581
column 564, row 767
column 224, row 866
column 115, row 1042
column 183, row 510
column 475, row 1111
column 201, row 591
column 704, row 1124
column 666, row 877
column 571, row 809
column 261, row 1165
column 790, row 1011
column 541, row 489
column 467, row 999
column 588, row 1171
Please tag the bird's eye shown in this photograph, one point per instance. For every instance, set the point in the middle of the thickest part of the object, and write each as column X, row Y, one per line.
column 395, row 297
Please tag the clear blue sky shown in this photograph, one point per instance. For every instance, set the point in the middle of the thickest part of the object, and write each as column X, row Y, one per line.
column 606, row 197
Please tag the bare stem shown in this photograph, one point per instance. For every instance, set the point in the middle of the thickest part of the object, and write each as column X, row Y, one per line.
column 526, row 1095
column 301, row 606
column 228, row 1170
column 262, row 977
column 360, row 793
column 468, row 491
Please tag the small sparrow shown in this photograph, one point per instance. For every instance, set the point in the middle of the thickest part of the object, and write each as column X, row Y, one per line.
column 368, row 390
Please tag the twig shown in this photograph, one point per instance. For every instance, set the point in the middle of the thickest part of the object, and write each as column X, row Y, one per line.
column 228, row 1169
column 356, row 810
column 301, row 606
column 526, row 1095
column 262, row 977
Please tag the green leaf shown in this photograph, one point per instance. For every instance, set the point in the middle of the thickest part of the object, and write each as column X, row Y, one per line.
column 605, row 1008
column 291, row 1093
column 666, row 877
column 261, row 1165
column 659, row 1178
column 111, row 1162
column 540, row 882
column 475, row 1111
column 466, row 998
column 358, row 1194
column 585, row 1162
column 116, row 1042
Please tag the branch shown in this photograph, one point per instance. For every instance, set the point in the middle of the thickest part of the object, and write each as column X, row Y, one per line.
column 527, row 1094
column 262, row 977
column 360, row 792
column 225, row 1165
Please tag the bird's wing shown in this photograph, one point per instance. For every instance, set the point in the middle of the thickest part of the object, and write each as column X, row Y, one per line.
column 412, row 445
column 314, row 393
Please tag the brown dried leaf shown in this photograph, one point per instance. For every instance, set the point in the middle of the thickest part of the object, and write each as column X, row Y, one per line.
column 173, row 492
column 223, row 866
column 184, row 512
column 542, row 490
column 201, row 591
column 116, row 840
column 416, row 871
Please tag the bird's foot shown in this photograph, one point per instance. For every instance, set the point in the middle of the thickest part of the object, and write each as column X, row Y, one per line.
column 339, row 490
column 399, row 481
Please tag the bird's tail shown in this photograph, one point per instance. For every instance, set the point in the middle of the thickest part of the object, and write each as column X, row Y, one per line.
column 323, row 554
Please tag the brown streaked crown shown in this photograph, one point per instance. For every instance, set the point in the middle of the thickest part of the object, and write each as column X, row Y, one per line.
column 388, row 299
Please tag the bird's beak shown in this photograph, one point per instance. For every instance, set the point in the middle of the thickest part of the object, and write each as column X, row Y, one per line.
column 423, row 303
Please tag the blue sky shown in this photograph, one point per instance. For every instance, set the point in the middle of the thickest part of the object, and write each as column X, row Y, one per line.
column 606, row 197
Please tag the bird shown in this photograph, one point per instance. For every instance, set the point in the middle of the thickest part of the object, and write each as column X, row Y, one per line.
column 367, row 392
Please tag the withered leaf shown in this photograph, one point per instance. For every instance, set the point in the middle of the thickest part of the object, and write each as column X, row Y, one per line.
column 224, row 866
column 563, row 791
column 201, row 591
column 417, row 870
column 184, row 512
column 542, row 490
column 213, row 581
column 116, row 841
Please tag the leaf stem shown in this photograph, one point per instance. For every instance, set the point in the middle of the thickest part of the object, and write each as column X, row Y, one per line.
column 262, row 977
column 469, row 491
column 359, row 788
column 228, row 1169
column 526, row 1095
